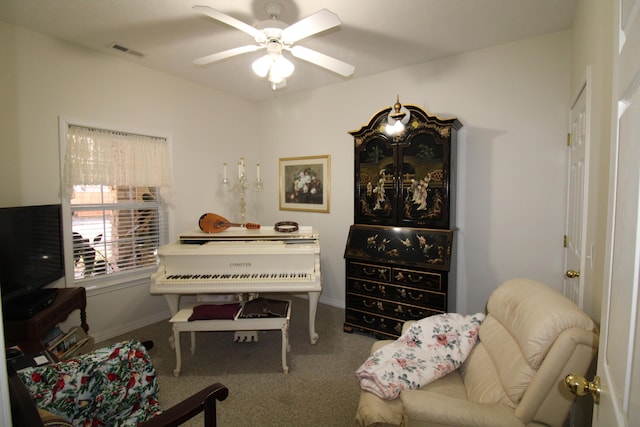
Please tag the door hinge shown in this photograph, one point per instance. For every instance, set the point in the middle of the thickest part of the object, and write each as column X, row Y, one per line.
column 565, row 241
column 569, row 142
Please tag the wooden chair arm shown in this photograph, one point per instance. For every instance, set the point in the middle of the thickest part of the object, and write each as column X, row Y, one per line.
column 204, row 400
column 23, row 410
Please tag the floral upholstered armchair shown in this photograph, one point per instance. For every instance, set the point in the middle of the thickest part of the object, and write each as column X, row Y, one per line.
column 115, row 386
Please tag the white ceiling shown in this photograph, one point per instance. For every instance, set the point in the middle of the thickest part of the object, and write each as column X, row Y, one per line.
column 375, row 35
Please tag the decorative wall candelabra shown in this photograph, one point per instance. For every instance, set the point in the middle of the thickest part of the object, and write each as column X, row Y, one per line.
column 242, row 185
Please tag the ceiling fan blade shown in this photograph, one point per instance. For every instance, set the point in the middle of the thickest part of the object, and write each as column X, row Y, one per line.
column 229, row 20
column 323, row 60
column 226, row 54
column 313, row 24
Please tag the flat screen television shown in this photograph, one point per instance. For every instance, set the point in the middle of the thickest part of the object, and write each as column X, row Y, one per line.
column 31, row 251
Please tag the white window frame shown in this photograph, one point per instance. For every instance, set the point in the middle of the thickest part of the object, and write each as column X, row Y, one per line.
column 106, row 282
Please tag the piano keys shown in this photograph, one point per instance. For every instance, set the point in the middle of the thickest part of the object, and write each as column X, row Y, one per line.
column 238, row 261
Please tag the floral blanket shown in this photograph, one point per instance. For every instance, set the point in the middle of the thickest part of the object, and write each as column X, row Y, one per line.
column 112, row 386
column 431, row 348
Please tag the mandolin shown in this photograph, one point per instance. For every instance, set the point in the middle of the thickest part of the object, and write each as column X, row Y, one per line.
column 212, row 223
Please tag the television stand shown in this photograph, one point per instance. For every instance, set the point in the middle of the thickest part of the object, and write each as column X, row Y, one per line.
column 28, row 333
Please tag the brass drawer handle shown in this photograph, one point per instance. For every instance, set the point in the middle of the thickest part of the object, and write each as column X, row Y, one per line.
column 414, row 279
column 420, row 296
column 417, row 316
column 373, row 304
column 369, row 321
column 380, row 273
column 369, row 289
column 368, row 271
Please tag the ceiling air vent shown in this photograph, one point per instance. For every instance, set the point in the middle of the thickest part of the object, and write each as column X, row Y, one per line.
column 124, row 49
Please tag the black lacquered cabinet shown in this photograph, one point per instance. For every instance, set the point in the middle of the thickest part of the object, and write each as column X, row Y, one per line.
column 407, row 178
column 399, row 250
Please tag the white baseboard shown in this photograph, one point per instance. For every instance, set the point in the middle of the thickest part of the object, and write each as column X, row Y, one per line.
column 131, row 326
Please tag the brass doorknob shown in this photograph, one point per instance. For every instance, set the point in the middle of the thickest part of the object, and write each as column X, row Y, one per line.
column 578, row 385
column 572, row 273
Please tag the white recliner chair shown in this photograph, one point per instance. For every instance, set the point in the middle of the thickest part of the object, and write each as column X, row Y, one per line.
column 531, row 338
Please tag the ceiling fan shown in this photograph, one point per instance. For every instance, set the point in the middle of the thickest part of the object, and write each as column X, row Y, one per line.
column 276, row 36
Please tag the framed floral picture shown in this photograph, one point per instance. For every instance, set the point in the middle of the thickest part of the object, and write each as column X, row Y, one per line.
column 305, row 183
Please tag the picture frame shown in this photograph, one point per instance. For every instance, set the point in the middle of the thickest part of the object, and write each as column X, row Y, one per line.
column 305, row 183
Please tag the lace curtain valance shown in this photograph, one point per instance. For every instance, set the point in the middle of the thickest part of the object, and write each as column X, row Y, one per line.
column 103, row 157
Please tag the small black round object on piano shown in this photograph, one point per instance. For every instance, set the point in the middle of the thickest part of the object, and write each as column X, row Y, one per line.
column 286, row 226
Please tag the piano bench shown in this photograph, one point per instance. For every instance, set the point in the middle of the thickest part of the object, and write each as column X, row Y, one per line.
column 180, row 323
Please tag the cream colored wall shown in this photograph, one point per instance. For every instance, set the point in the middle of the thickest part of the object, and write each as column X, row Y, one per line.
column 9, row 170
column 513, row 102
column 592, row 41
column 46, row 78
column 511, row 99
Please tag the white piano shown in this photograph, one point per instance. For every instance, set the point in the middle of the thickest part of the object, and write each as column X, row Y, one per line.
column 238, row 261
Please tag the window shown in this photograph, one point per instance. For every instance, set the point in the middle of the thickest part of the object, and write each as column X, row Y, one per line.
column 115, row 229
column 116, row 186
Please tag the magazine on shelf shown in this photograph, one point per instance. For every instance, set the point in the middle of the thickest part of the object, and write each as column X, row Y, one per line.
column 72, row 344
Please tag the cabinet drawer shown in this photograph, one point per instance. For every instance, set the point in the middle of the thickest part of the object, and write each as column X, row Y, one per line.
column 417, row 278
column 369, row 322
column 380, row 273
column 366, row 287
column 389, row 309
column 401, row 294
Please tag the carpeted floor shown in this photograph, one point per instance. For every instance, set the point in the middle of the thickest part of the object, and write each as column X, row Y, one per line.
column 320, row 389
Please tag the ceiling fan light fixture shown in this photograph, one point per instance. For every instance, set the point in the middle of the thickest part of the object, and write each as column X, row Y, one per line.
column 275, row 67
column 262, row 65
column 274, row 36
column 282, row 67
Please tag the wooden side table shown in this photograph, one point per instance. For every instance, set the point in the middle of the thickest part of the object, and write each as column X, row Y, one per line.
column 28, row 333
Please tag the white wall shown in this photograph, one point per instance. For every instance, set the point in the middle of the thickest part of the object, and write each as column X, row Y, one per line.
column 512, row 101
column 592, row 41
column 44, row 78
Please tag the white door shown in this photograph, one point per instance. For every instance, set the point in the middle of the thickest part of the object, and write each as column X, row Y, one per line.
column 577, row 199
column 619, row 352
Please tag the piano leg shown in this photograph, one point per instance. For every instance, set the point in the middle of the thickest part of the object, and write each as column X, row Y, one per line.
column 313, row 306
column 176, row 340
column 173, row 301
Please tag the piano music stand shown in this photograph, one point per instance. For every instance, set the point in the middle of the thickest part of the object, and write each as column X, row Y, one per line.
column 180, row 323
